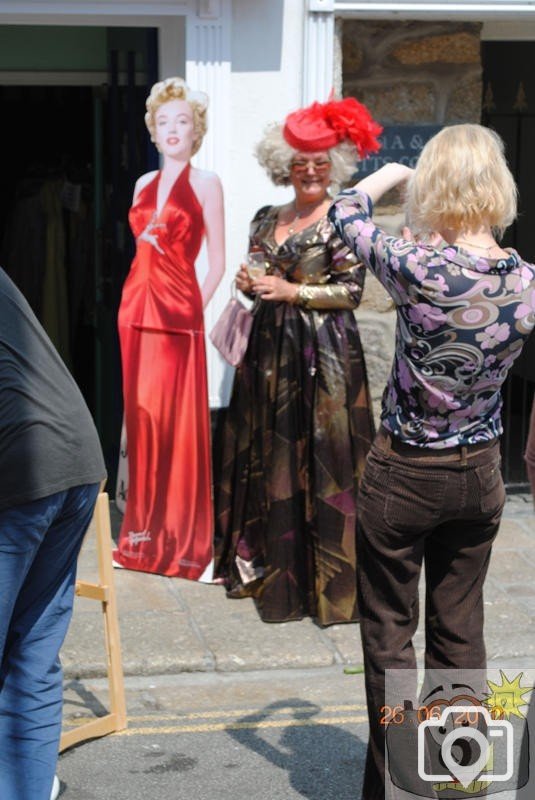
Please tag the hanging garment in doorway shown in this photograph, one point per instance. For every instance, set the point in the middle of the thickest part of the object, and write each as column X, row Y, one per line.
column 45, row 251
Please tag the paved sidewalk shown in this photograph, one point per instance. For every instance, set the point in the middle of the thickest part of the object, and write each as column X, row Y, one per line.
column 170, row 625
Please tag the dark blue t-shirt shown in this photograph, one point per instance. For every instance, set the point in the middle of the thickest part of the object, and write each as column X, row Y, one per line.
column 48, row 442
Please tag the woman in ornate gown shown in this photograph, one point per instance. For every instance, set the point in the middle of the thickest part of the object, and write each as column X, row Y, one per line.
column 168, row 521
column 299, row 423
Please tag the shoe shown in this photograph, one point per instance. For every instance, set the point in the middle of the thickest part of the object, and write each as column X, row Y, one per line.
column 54, row 794
column 251, row 589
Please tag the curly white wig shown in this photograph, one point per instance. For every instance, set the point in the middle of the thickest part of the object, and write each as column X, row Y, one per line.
column 275, row 155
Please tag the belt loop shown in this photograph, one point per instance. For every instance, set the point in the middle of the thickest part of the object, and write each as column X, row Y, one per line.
column 464, row 454
column 388, row 442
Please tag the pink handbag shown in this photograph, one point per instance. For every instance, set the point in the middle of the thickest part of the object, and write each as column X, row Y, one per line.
column 230, row 334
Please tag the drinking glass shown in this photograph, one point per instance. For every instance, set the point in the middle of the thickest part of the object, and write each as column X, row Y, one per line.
column 256, row 264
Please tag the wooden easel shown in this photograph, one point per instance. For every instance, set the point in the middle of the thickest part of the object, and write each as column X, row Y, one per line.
column 103, row 591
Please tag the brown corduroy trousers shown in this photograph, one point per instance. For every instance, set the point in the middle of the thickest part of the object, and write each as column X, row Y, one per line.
column 418, row 506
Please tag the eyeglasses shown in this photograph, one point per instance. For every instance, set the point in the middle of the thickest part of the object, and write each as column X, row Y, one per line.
column 301, row 165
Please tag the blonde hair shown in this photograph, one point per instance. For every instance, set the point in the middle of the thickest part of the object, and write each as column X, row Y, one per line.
column 461, row 180
column 177, row 89
column 275, row 155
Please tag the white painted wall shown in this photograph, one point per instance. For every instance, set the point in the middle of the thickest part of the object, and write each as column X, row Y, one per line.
column 267, row 41
column 474, row 10
column 265, row 85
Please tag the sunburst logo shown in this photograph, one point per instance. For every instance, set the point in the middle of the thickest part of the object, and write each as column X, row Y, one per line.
column 506, row 700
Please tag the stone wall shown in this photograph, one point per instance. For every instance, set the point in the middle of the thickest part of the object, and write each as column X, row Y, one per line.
column 413, row 72
column 405, row 72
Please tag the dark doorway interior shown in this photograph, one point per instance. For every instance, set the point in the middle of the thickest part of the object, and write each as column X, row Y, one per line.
column 70, row 157
column 509, row 108
column 46, row 214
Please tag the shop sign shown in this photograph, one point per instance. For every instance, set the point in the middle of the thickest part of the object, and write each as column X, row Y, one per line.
column 402, row 143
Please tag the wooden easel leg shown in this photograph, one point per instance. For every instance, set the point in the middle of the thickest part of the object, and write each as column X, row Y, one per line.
column 104, row 591
column 111, row 623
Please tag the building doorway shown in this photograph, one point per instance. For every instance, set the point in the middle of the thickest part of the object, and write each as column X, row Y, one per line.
column 509, row 108
column 72, row 147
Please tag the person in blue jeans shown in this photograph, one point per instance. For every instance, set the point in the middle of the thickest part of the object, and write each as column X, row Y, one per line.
column 51, row 466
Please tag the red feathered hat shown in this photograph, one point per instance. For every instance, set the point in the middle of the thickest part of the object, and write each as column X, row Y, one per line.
column 323, row 125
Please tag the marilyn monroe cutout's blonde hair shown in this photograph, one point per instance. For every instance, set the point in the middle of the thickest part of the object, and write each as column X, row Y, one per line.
column 177, row 89
column 275, row 155
column 461, row 181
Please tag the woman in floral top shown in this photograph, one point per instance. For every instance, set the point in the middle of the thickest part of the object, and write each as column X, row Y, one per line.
column 432, row 490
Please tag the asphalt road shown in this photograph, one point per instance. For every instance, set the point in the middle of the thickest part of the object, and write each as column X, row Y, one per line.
column 277, row 734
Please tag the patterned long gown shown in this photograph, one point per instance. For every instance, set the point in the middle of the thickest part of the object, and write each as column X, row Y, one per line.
column 296, row 436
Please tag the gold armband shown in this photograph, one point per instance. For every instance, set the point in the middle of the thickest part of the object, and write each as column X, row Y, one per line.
column 297, row 297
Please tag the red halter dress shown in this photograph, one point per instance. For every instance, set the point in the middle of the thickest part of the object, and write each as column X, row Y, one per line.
column 168, row 522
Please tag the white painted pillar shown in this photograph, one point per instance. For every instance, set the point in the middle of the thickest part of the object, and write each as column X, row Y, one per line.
column 318, row 51
column 208, row 69
column 208, row 57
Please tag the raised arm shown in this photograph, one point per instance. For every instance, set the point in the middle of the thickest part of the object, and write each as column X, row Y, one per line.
column 384, row 179
column 390, row 258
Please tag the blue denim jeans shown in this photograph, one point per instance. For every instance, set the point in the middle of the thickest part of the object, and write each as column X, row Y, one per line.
column 39, row 546
column 422, row 507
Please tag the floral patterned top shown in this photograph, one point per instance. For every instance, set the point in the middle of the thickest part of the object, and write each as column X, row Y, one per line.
column 461, row 322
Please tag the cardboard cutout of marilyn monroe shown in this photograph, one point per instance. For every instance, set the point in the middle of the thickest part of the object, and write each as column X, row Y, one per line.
column 168, row 521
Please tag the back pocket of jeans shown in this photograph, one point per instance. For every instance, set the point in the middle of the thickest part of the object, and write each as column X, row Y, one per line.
column 491, row 488
column 415, row 498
